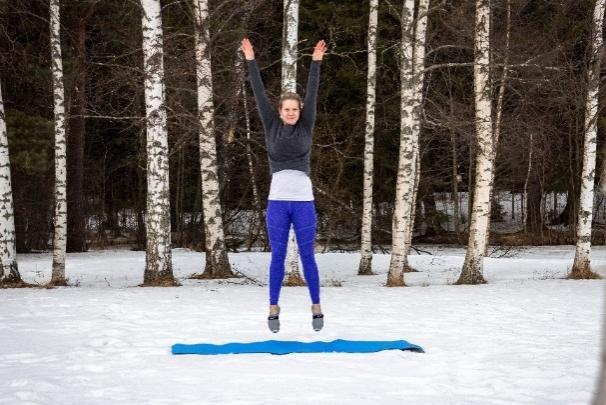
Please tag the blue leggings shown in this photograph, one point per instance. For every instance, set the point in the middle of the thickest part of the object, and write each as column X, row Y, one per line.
column 280, row 215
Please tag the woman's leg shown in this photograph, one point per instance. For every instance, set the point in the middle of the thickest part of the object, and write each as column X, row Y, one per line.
column 278, row 224
column 304, row 221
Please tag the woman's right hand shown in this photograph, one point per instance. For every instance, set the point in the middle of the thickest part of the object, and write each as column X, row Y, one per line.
column 247, row 48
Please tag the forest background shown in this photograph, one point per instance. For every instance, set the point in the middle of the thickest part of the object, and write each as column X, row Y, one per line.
column 539, row 157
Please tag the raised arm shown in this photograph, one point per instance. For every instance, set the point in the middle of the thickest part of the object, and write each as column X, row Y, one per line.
column 266, row 110
column 308, row 115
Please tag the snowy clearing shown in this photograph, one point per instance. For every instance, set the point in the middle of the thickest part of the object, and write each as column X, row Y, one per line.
column 527, row 337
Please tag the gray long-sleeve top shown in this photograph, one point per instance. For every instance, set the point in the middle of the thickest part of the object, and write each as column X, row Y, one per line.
column 288, row 146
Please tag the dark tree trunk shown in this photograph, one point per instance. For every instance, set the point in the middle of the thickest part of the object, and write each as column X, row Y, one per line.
column 76, row 218
column 431, row 218
column 534, row 219
column 568, row 216
column 112, row 224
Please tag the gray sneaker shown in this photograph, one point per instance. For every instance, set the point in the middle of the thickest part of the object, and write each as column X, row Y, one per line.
column 273, row 322
column 317, row 321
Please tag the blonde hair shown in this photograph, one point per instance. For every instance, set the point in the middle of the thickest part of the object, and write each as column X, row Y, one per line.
column 290, row 96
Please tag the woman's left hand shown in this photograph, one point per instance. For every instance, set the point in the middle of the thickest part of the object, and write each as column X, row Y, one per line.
column 319, row 50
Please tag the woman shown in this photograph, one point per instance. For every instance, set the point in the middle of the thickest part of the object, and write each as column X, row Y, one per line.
column 288, row 135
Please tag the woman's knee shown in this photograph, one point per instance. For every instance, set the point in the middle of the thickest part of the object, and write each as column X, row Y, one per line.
column 306, row 248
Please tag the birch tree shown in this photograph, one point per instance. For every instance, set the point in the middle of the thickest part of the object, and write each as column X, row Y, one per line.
column 499, row 105
column 290, row 35
column 581, row 268
column 418, row 68
column 217, row 263
column 158, row 258
column 9, row 272
column 412, row 53
column 504, row 78
column 60, row 204
column 289, row 84
column 480, row 212
column 365, row 267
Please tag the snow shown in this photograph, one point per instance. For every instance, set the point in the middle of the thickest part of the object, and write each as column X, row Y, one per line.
column 526, row 337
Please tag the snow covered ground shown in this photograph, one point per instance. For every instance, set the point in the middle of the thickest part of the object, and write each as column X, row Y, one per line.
column 526, row 337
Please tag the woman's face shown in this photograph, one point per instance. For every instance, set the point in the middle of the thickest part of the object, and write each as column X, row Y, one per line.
column 290, row 112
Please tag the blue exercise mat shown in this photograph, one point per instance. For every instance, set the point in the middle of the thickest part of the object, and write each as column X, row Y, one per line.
column 285, row 347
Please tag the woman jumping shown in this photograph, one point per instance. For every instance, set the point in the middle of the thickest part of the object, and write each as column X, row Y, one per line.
column 288, row 135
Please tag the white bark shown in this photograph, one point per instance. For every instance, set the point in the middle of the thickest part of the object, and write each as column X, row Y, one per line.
column 582, row 257
column 412, row 53
column 217, row 263
column 500, row 99
column 417, row 112
column 290, row 37
column 9, row 272
column 60, row 218
column 478, row 226
column 413, row 209
column 289, row 84
column 406, row 162
column 365, row 266
column 158, row 254
column 504, row 77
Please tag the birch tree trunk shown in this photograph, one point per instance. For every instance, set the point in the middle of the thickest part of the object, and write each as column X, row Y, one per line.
column 9, row 272
column 499, row 106
column 418, row 68
column 581, row 268
column 290, row 34
column 158, row 258
column 411, row 84
column 470, row 181
column 365, row 266
column 503, row 84
column 217, row 263
column 60, row 218
column 406, row 163
column 478, row 225
column 413, row 210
